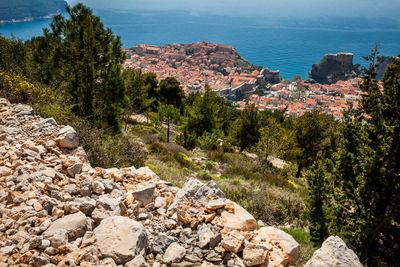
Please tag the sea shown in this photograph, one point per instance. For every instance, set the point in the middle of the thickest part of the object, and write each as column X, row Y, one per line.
column 290, row 45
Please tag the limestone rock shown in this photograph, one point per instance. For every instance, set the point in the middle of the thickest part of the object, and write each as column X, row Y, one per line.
column 160, row 243
column 205, row 235
column 240, row 219
column 187, row 191
column 334, row 252
column 233, row 241
column 289, row 246
column 233, row 260
column 210, row 189
column 174, row 253
column 75, row 169
column 75, row 225
column 67, row 138
column 145, row 193
column 120, row 238
column 138, row 261
column 255, row 254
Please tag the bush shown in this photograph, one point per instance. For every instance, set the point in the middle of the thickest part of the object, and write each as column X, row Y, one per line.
column 158, row 148
column 149, row 138
column 17, row 90
column 108, row 151
column 209, row 141
column 183, row 159
column 217, row 155
column 272, row 205
column 204, row 176
column 175, row 148
column 208, row 165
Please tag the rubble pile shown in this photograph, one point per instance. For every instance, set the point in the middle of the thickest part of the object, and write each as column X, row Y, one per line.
column 57, row 210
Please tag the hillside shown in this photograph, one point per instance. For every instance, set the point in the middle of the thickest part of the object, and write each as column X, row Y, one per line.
column 56, row 209
column 20, row 10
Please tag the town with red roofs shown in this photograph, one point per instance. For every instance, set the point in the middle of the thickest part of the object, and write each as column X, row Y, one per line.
column 220, row 67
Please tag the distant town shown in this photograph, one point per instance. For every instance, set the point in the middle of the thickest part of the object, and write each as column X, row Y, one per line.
column 196, row 65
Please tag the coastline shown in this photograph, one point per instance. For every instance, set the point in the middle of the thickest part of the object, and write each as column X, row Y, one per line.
column 30, row 19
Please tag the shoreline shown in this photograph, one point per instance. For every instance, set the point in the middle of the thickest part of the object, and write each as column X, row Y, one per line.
column 29, row 19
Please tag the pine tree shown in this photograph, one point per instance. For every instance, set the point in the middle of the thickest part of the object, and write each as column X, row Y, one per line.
column 84, row 59
column 316, row 202
column 168, row 114
column 367, row 185
column 246, row 130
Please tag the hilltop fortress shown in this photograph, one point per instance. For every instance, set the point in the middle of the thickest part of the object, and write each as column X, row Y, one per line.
column 196, row 65
column 343, row 58
column 333, row 68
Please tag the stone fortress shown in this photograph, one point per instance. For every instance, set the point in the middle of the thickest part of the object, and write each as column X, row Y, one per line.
column 344, row 58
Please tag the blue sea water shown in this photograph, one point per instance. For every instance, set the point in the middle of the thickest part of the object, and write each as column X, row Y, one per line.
column 287, row 44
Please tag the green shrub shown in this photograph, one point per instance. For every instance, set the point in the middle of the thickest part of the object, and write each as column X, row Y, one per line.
column 183, row 159
column 217, row 155
column 204, row 176
column 158, row 148
column 209, row 141
column 208, row 165
column 175, row 148
column 149, row 138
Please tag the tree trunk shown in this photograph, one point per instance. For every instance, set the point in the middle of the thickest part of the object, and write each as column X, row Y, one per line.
column 168, row 131
column 299, row 170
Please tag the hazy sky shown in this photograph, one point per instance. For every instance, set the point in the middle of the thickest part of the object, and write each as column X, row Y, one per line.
column 271, row 8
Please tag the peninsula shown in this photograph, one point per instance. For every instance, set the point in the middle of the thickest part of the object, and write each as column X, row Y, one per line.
column 28, row 10
column 196, row 65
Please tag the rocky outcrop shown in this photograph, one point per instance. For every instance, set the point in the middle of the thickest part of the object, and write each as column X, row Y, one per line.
column 334, row 253
column 53, row 215
column 333, row 68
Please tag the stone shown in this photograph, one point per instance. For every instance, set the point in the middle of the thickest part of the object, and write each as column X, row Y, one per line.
column 233, row 241
column 170, row 224
column 7, row 250
column 289, row 246
column 334, row 252
column 183, row 216
column 255, row 254
column 216, row 204
column 86, row 188
column 75, row 169
column 37, row 206
column 120, row 238
column 187, row 191
column 67, row 138
column 138, row 261
column 86, row 205
column 75, row 226
column 98, row 187
column 183, row 264
column 174, row 253
column 233, row 260
column 160, row 243
column 145, row 193
column 160, row 202
column 215, row 240
column 4, row 171
column 145, row 172
column 240, row 219
column 208, row 190
column 40, row 261
column 205, row 235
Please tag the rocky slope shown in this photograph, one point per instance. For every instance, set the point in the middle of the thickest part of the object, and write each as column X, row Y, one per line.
column 57, row 210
